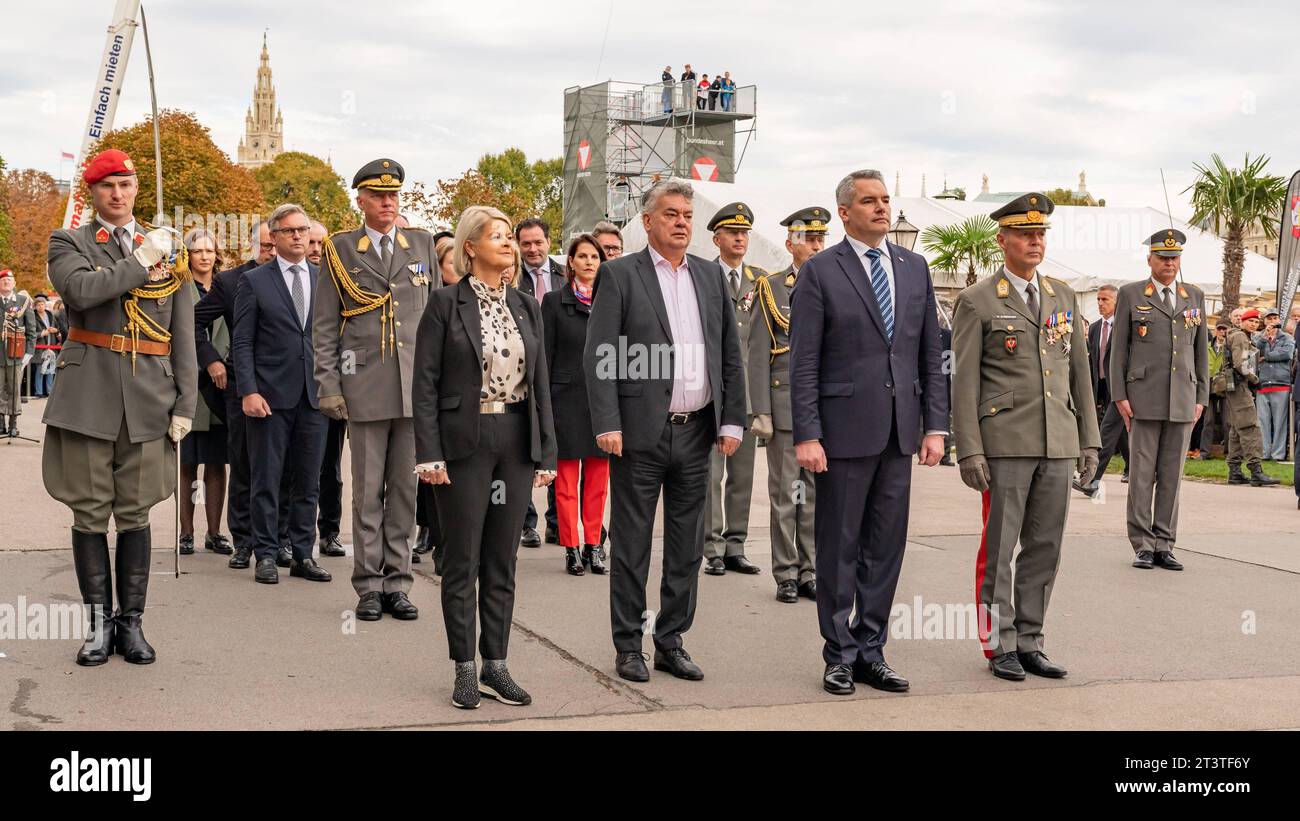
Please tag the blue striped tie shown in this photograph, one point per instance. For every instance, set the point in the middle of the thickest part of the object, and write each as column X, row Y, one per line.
column 880, row 284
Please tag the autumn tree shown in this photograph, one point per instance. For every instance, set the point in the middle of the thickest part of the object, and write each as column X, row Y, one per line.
column 35, row 208
column 507, row 181
column 311, row 182
column 6, row 230
column 201, row 186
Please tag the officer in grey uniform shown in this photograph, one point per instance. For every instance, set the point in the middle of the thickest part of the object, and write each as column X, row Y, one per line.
column 127, row 391
column 374, row 284
column 1023, row 413
column 729, row 496
column 1160, row 384
column 791, row 489
column 18, row 320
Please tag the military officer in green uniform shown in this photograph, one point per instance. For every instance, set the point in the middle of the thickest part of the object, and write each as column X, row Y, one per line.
column 1159, row 378
column 1023, row 414
column 791, row 489
column 730, row 494
column 374, row 284
column 1245, row 443
column 18, row 320
column 127, row 391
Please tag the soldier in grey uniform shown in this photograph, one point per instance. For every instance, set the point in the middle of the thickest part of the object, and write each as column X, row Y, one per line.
column 791, row 489
column 374, row 284
column 127, row 392
column 1245, row 441
column 1160, row 384
column 19, row 322
column 729, row 497
column 1023, row 413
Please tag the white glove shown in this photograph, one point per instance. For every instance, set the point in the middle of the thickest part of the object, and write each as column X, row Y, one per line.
column 27, row 358
column 762, row 426
column 179, row 427
column 157, row 245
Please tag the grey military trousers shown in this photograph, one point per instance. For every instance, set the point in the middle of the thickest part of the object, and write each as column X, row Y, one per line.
column 1026, row 503
column 383, row 504
column 1157, row 451
column 726, row 536
column 792, row 497
column 98, row 478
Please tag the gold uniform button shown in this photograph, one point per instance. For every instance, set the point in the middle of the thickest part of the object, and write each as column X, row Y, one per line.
column 776, row 383
column 1044, row 352
column 993, row 410
column 1173, row 369
column 1049, row 394
column 398, row 323
column 399, row 344
column 396, row 303
column 1047, row 373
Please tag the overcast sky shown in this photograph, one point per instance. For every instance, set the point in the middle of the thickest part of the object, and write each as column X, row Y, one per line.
column 1030, row 93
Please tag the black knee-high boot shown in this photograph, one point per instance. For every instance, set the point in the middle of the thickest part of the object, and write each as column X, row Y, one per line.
column 132, row 585
column 95, row 578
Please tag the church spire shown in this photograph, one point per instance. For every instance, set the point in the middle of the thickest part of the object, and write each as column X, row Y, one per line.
column 263, row 126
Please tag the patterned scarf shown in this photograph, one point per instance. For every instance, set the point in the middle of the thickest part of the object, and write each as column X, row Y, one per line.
column 582, row 292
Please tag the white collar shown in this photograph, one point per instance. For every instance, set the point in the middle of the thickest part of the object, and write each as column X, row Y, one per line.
column 130, row 227
column 284, row 264
column 860, row 248
column 376, row 236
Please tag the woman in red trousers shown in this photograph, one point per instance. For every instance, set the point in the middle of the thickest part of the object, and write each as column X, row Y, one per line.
column 564, row 320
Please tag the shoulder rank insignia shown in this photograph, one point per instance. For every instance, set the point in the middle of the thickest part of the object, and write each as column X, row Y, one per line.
column 749, row 273
column 1142, row 308
column 401, row 240
column 139, row 238
column 1004, row 288
column 101, row 236
column 1149, row 290
column 363, row 244
column 1182, row 292
column 1047, row 286
column 789, row 281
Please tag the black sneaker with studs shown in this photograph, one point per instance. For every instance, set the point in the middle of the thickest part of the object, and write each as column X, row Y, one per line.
column 496, row 683
column 464, row 693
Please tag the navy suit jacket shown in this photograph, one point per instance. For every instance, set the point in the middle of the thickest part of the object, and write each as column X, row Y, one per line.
column 272, row 352
column 849, row 383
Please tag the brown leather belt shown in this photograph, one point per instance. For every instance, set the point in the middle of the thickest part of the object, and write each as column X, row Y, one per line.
column 119, row 343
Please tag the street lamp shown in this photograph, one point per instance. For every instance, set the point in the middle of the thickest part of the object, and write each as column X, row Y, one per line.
column 903, row 233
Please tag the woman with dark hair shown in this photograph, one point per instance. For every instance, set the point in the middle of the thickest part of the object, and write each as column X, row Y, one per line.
column 483, row 439
column 49, row 341
column 564, row 317
column 205, row 444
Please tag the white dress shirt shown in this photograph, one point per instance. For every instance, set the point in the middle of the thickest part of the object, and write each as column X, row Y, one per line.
column 861, row 248
column 302, row 275
column 1022, row 286
column 375, row 238
column 1160, row 292
column 130, row 228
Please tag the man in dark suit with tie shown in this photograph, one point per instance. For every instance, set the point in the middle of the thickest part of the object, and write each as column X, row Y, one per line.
column 271, row 344
column 538, row 277
column 1114, row 438
column 867, row 374
column 666, row 383
column 219, row 303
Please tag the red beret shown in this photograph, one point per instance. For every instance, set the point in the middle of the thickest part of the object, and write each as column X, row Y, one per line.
column 107, row 163
column 6, row 273
column 1250, row 314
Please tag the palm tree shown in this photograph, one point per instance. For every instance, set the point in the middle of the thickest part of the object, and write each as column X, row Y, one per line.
column 1233, row 201
column 970, row 245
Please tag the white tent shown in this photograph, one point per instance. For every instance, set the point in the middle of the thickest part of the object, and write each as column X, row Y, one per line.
column 1087, row 247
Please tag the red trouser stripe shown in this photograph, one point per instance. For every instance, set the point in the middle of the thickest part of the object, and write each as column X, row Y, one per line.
column 981, row 562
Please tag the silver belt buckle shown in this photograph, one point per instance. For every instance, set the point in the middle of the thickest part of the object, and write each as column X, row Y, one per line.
column 492, row 407
column 679, row 418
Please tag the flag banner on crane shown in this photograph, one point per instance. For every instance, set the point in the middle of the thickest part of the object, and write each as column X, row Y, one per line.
column 1288, row 246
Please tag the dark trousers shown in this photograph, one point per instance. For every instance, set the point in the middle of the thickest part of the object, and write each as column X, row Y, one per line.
column 861, row 533
column 238, row 490
column 301, row 431
column 679, row 465
column 1114, row 439
column 331, row 481
column 426, row 512
column 530, row 515
column 489, row 491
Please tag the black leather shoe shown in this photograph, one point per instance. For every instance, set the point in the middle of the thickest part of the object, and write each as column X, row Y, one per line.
column 370, row 607
column 400, row 607
column 809, row 589
column 880, row 676
column 309, row 570
column 552, row 535
column 678, row 662
column 529, row 538
column 284, row 556
column 240, row 560
column 787, row 592
column 495, row 682
column 594, row 557
column 423, row 543
column 1040, row 665
column 265, row 571
column 1143, row 560
column 1086, row 490
column 1165, row 559
column 186, row 545
column 715, row 567
column 437, row 560
column 95, row 578
column 332, row 547
column 838, row 680
column 741, row 565
column 1007, row 666
column 573, row 561
column 1124, row 477
column 631, row 666
column 218, row 543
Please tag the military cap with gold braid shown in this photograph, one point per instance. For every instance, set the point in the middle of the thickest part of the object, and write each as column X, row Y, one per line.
column 380, row 175
column 1025, row 211
column 813, row 220
column 1167, row 242
column 733, row 215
